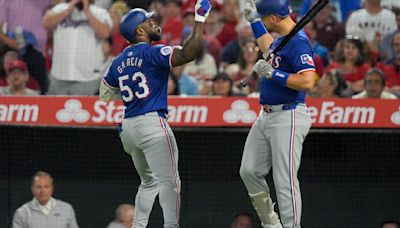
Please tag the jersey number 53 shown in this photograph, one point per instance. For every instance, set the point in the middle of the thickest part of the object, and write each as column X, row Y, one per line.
column 142, row 84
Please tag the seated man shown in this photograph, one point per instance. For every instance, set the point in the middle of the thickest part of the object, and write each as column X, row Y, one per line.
column 44, row 211
column 374, row 83
column 17, row 77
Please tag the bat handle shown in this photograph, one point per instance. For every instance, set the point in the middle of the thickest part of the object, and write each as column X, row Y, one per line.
column 245, row 81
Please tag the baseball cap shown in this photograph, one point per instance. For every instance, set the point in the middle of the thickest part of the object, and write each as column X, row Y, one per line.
column 17, row 64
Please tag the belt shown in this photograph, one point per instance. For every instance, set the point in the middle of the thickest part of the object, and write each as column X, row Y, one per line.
column 280, row 107
column 159, row 113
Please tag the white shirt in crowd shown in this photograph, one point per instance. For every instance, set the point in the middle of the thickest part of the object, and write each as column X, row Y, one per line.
column 389, row 4
column 77, row 51
column 366, row 26
column 384, row 95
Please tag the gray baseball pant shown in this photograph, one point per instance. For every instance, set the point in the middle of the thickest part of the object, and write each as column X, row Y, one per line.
column 276, row 141
column 151, row 143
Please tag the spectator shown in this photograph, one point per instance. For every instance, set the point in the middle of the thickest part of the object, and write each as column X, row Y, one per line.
column 202, row 68
column 242, row 220
column 392, row 68
column 26, row 34
column 173, row 85
column 374, row 83
column 371, row 24
column 117, row 10
column 173, row 23
column 23, row 42
column 106, row 46
column 223, row 86
column 214, row 23
column 329, row 31
column 390, row 224
column 7, row 58
column 213, row 27
column 17, row 77
column 187, row 84
column 387, row 41
column 26, row 15
column 230, row 17
column 318, row 49
column 390, row 4
column 230, row 52
column 330, row 85
column 124, row 216
column 188, row 18
column 351, row 63
column 79, row 27
column 343, row 7
column 44, row 211
column 248, row 56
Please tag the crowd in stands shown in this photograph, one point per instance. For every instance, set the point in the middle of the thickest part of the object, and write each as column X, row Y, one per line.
column 63, row 47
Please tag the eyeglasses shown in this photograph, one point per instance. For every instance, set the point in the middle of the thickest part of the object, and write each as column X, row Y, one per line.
column 251, row 49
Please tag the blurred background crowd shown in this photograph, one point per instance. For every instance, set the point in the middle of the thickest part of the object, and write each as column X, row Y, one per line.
column 56, row 47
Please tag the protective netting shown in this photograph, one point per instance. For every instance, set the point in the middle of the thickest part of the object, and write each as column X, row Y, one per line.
column 349, row 178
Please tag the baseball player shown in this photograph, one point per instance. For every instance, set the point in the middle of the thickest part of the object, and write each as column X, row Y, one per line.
column 140, row 74
column 276, row 137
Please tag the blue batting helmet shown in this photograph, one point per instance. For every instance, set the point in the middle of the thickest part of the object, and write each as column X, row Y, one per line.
column 131, row 21
column 276, row 7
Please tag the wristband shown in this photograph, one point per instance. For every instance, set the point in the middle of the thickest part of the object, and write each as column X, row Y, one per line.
column 280, row 77
column 258, row 28
column 199, row 18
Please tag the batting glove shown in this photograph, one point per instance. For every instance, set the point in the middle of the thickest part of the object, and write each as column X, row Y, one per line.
column 263, row 69
column 201, row 10
column 251, row 15
column 250, row 11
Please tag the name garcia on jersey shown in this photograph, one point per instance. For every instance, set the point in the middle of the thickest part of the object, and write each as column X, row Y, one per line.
column 129, row 62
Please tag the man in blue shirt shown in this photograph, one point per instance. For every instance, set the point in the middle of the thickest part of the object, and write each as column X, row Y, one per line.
column 140, row 74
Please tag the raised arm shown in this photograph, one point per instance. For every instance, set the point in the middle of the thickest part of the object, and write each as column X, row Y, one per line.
column 195, row 41
column 102, row 30
column 263, row 38
column 51, row 19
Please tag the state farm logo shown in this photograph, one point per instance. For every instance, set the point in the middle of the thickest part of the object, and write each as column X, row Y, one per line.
column 395, row 117
column 239, row 112
column 331, row 113
column 72, row 112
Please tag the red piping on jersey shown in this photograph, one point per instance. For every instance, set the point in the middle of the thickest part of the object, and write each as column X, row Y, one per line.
column 293, row 129
column 163, row 126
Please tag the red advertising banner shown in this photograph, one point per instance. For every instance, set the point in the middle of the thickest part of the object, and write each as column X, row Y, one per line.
column 195, row 111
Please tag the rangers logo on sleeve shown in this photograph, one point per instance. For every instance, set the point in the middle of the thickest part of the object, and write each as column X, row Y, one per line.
column 166, row 50
column 307, row 59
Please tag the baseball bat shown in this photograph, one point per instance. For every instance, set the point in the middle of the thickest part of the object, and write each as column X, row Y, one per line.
column 307, row 18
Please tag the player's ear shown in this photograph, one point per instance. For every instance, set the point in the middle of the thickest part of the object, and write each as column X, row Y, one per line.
column 140, row 31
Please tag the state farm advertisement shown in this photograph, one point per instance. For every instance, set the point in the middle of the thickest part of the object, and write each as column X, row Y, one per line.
column 194, row 112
